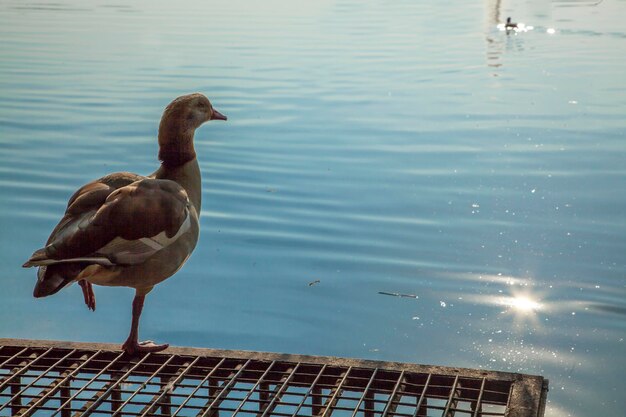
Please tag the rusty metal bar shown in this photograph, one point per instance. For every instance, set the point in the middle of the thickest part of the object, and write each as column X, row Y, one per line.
column 316, row 401
column 12, row 357
column 56, row 385
column 390, row 407
column 477, row 405
column 81, row 389
column 369, row 405
column 16, row 398
column 447, row 412
column 65, row 392
column 45, row 393
column 508, row 401
column 205, row 379
column 116, row 393
column 278, row 392
column 180, row 375
column 224, row 390
column 166, row 406
column 526, row 396
column 268, row 357
column 310, row 390
column 264, row 396
column 365, row 394
column 22, row 368
column 90, row 379
column 423, row 410
column 143, row 385
column 99, row 393
column 254, row 387
column 111, row 386
column 212, row 390
column 336, row 391
column 422, row 399
column 49, row 369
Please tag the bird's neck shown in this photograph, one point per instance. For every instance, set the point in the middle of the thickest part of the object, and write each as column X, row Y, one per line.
column 188, row 176
column 175, row 144
column 178, row 158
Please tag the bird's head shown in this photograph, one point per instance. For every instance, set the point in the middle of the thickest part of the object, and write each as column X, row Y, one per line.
column 190, row 111
column 180, row 120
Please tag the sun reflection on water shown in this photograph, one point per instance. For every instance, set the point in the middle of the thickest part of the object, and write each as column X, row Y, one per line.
column 522, row 303
column 517, row 298
column 523, row 307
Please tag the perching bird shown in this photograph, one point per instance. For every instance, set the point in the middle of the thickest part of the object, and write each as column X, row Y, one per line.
column 129, row 230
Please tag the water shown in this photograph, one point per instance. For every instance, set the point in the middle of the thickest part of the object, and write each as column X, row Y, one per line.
column 399, row 147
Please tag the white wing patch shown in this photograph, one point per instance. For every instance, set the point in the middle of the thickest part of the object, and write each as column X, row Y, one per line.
column 148, row 241
column 90, row 259
column 128, row 252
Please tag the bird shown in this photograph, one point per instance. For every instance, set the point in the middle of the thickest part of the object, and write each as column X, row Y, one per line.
column 130, row 230
column 510, row 25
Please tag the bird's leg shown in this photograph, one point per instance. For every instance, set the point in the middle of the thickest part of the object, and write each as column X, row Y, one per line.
column 131, row 345
column 88, row 294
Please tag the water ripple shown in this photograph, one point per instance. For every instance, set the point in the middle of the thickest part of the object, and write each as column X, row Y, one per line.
column 403, row 147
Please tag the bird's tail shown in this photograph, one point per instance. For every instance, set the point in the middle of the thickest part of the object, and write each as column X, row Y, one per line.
column 36, row 258
column 52, row 278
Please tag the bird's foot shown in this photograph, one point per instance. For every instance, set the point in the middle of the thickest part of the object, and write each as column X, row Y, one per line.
column 133, row 347
column 88, row 294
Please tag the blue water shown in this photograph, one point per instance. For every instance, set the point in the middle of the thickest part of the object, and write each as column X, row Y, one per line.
column 374, row 146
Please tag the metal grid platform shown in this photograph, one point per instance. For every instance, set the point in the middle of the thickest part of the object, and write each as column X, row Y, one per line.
column 44, row 378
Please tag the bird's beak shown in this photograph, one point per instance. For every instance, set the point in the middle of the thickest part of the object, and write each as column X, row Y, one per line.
column 218, row 116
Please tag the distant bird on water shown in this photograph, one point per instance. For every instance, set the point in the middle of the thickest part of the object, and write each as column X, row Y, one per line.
column 129, row 230
column 510, row 25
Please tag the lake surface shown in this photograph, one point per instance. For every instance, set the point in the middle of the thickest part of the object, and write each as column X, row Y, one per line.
column 403, row 147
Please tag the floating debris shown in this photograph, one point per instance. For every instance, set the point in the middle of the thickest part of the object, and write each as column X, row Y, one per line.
column 397, row 294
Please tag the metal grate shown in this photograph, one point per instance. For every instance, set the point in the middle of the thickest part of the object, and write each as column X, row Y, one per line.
column 66, row 379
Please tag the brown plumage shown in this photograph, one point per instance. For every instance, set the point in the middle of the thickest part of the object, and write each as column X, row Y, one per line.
column 129, row 230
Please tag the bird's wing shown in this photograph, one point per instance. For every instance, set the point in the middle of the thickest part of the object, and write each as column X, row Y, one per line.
column 118, row 221
column 90, row 197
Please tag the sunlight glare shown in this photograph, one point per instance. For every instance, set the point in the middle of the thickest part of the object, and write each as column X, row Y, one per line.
column 522, row 303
